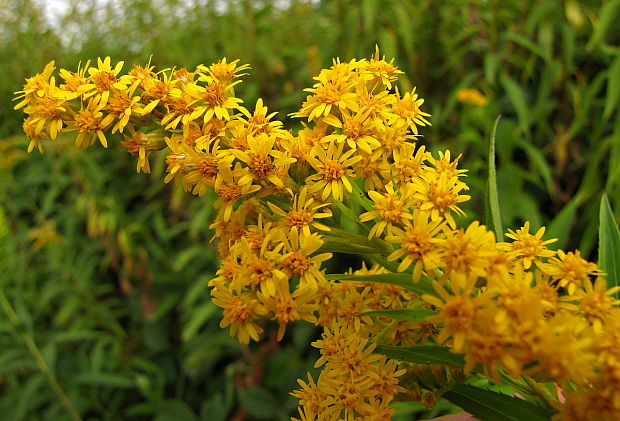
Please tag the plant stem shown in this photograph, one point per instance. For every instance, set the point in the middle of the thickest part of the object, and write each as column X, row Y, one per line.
column 543, row 393
column 38, row 357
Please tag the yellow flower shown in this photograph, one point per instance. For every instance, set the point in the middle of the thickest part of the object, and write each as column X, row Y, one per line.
column 310, row 398
column 102, row 78
column 156, row 91
column 466, row 253
column 240, row 310
column 297, row 259
column 385, row 375
column 472, row 96
column 141, row 145
column 137, row 75
column 288, row 307
column 260, row 269
column 409, row 163
column 349, row 308
column 260, row 121
column 357, row 131
column 595, row 301
column 229, row 190
column 74, row 81
column 225, row 72
column 303, row 212
column 216, row 99
column 440, row 196
column 346, row 396
column 91, row 123
column 408, row 108
column 378, row 70
column 123, row 106
column 332, row 90
column 527, row 247
column 180, row 110
column 333, row 170
column 35, row 87
column 570, row 270
column 46, row 113
column 394, row 135
column 418, row 243
column 391, row 207
column 443, row 165
column 262, row 160
column 256, row 235
column 456, row 314
column 368, row 169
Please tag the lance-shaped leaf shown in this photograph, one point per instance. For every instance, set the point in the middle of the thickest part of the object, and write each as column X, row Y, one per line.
column 422, row 354
column 608, row 244
column 487, row 405
column 493, row 198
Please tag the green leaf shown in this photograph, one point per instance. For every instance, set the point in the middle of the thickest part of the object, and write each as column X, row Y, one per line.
column 487, row 405
column 422, row 354
column 609, row 244
column 613, row 87
column 104, row 379
column 260, row 403
column 527, row 44
column 338, row 245
column 198, row 318
column 493, row 198
column 538, row 160
column 75, row 336
column 412, row 314
column 560, row 226
column 369, row 14
column 342, row 241
column 351, row 215
column 175, row 410
column 402, row 279
column 606, row 15
column 165, row 306
column 517, row 98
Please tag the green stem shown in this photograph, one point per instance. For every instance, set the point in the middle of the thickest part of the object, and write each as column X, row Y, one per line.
column 38, row 357
column 543, row 393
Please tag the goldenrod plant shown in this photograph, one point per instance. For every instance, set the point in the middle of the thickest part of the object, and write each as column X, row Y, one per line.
column 435, row 310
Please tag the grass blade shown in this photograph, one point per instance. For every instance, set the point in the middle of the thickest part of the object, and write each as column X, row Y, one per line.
column 608, row 244
column 493, row 197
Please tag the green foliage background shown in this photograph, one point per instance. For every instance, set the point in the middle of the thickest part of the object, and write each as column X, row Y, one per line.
column 112, row 318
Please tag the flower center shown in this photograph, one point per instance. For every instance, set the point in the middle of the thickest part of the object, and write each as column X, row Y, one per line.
column 389, row 208
column 333, row 170
column 228, row 192
column 416, row 242
column 298, row 219
column 208, row 166
column 261, row 166
column 214, row 94
column 87, row 120
column 103, row 80
column 298, row 263
column 238, row 310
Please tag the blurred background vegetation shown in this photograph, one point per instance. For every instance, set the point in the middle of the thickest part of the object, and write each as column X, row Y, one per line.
column 103, row 272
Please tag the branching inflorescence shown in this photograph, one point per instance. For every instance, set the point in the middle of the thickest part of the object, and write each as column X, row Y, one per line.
column 511, row 309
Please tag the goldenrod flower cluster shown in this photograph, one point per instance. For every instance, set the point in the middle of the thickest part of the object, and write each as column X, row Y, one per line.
column 514, row 308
